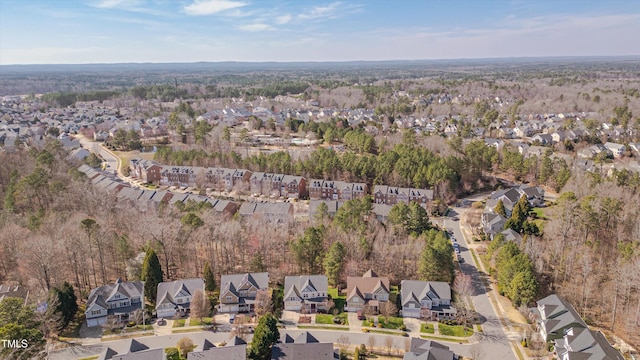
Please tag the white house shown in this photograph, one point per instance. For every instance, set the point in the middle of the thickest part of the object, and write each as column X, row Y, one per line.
column 175, row 296
column 617, row 149
column 118, row 299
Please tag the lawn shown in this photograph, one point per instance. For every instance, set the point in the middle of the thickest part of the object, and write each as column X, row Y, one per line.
column 387, row 322
column 328, row 318
column 454, row 330
column 138, row 328
column 205, row 321
column 427, row 328
column 338, row 300
column 178, row 323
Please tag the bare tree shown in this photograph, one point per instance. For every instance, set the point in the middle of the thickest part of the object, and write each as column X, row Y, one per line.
column 343, row 343
column 388, row 308
column 185, row 346
column 263, row 303
column 371, row 342
column 200, row 306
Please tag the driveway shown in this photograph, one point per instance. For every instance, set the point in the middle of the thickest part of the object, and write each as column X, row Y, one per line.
column 355, row 325
column 413, row 326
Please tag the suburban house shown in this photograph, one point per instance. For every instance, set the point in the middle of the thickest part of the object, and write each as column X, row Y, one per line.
column 145, row 170
column 556, row 316
column 174, row 297
column 617, row 149
column 306, row 293
column 534, row 194
column 118, row 299
column 426, row 300
column 234, row 349
column 492, row 223
column 367, row 292
column 238, row 291
column 582, row 343
column 304, row 346
column 421, row 349
column 130, row 349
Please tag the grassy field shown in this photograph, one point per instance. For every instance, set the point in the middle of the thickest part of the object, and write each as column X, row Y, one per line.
column 205, row 321
column 328, row 318
column 387, row 322
column 454, row 330
column 178, row 323
column 427, row 328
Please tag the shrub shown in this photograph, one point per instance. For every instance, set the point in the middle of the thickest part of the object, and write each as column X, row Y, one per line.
column 365, row 330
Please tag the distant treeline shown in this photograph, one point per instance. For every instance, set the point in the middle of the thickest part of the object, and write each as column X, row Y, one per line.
column 64, row 99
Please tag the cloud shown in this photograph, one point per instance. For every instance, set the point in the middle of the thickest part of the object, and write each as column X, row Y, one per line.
column 317, row 12
column 129, row 5
column 256, row 27
column 283, row 19
column 211, row 7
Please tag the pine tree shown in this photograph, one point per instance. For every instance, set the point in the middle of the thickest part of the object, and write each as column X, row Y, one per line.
column 500, row 209
column 334, row 262
column 151, row 275
column 266, row 334
column 209, row 278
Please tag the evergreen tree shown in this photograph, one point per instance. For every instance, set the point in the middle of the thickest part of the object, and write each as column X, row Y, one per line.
column 151, row 275
column 209, row 278
column 500, row 209
column 266, row 334
column 309, row 248
column 334, row 262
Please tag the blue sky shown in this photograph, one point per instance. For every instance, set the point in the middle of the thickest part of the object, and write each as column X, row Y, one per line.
column 114, row 31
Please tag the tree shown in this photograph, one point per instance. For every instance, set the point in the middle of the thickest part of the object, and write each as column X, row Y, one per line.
column 151, row 274
column 388, row 308
column 263, row 304
column 200, row 306
column 266, row 334
column 308, row 249
column 62, row 307
column 322, row 212
column 172, row 353
column 209, row 278
column 185, row 346
column 90, row 226
column 500, row 209
column 334, row 262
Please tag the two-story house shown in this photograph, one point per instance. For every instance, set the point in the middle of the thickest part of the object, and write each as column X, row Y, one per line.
column 367, row 292
column 303, row 346
column 175, row 296
column 426, row 300
column 421, row 349
column 118, row 299
column 306, row 293
column 238, row 291
column 582, row 343
column 234, row 349
column 556, row 316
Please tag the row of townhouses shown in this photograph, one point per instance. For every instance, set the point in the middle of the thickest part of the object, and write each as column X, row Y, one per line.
column 561, row 324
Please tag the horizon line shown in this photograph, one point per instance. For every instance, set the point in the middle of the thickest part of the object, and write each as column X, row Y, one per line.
column 335, row 61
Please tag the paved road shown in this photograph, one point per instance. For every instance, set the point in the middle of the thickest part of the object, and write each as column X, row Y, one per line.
column 112, row 161
column 494, row 342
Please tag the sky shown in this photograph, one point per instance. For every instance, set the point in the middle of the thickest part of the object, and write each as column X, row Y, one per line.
column 123, row 31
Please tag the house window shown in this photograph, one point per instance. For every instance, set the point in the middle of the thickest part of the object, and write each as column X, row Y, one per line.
column 96, row 312
column 228, row 298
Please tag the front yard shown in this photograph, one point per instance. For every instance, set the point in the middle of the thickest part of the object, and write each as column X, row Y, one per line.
column 338, row 300
column 454, row 330
column 205, row 321
column 386, row 322
column 179, row 323
column 427, row 328
column 328, row 319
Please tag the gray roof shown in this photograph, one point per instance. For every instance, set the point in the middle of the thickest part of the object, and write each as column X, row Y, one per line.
column 582, row 343
column 304, row 346
column 424, row 289
column 557, row 314
column 297, row 284
column 236, row 352
column 421, row 349
column 101, row 294
column 235, row 281
column 153, row 354
column 167, row 291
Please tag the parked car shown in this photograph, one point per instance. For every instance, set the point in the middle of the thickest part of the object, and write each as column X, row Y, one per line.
column 232, row 318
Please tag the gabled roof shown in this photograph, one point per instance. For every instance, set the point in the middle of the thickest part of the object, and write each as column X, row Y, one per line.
column 368, row 283
column 101, row 294
column 421, row 349
column 417, row 289
column 167, row 291
column 297, row 284
column 236, row 281
column 304, row 346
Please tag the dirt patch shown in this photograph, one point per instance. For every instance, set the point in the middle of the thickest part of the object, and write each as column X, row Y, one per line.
column 512, row 313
